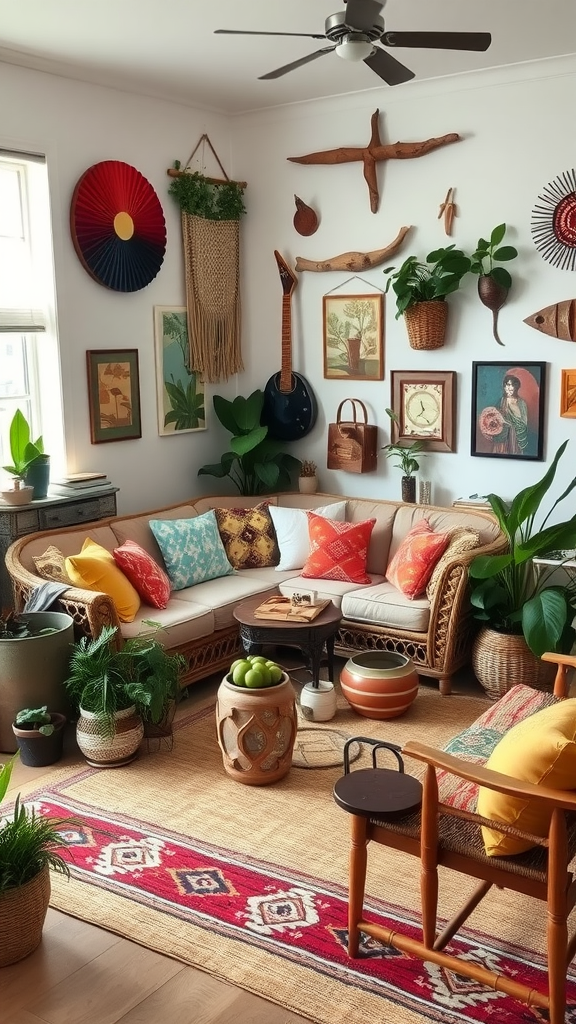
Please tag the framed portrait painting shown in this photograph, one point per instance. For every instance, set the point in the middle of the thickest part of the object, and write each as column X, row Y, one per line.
column 568, row 393
column 425, row 405
column 113, row 394
column 508, row 410
column 353, row 337
column 180, row 395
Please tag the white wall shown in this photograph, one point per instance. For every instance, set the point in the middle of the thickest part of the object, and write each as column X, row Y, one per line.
column 517, row 136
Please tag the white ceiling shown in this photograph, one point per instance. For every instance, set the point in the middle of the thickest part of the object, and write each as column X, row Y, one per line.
column 167, row 48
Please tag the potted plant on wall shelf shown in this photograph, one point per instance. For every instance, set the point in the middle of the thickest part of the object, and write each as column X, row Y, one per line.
column 522, row 614
column 40, row 735
column 421, row 290
column 30, row 464
column 307, row 480
column 494, row 283
column 408, row 456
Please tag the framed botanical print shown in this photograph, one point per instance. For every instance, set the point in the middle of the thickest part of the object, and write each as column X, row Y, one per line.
column 568, row 393
column 424, row 402
column 353, row 337
column 180, row 395
column 508, row 410
column 113, row 394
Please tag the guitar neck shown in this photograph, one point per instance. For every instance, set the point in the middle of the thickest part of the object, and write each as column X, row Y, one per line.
column 286, row 371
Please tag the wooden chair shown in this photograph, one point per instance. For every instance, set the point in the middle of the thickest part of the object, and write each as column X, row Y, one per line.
column 440, row 834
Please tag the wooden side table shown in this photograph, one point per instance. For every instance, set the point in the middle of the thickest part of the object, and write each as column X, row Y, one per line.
column 311, row 637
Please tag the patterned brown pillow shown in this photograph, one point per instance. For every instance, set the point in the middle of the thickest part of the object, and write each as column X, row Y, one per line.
column 248, row 536
column 51, row 565
column 461, row 539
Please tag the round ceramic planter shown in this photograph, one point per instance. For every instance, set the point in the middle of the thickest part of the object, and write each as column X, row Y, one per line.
column 38, row 477
column 256, row 730
column 379, row 684
column 23, row 496
column 22, row 915
column 307, row 484
column 110, row 751
column 318, row 703
column 38, row 750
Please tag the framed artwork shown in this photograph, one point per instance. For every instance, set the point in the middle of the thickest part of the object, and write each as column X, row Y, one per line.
column 180, row 394
column 113, row 394
column 425, row 403
column 353, row 337
column 508, row 410
column 568, row 393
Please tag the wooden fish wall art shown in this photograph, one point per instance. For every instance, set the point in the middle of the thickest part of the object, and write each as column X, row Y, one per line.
column 558, row 321
column 354, row 260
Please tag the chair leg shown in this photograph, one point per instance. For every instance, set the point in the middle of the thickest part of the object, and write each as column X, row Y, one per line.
column 357, row 880
column 445, row 686
column 557, row 925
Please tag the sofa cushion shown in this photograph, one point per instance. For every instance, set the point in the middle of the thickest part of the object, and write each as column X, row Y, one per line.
column 192, row 549
column 248, row 536
column 222, row 595
column 384, row 512
column 181, row 622
column 541, row 750
column 461, row 539
column 326, row 590
column 384, row 605
column 412, row 565
column 144, row 573
column 338, row 551
column 291, row 526
column 95, row 569
column 51, row 565
column 138, row 529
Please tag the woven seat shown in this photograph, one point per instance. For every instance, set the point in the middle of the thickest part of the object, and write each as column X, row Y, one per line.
column 446, row 831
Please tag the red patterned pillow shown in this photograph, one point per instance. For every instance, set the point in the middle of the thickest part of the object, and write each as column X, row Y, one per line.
column 144, row 573
column 413, row 563
column 338, row 551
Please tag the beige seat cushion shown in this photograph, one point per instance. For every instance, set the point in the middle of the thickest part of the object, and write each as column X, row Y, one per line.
column 327, row 590
column 384, row 605
column 182, row 621
column 222, row 595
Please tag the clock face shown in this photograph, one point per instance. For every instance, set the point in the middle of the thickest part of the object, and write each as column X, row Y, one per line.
column 422, row 405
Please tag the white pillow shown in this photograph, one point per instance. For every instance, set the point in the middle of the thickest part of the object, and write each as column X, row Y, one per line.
column 291, row 527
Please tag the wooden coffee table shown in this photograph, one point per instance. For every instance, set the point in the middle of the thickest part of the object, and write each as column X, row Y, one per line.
column 313, row 638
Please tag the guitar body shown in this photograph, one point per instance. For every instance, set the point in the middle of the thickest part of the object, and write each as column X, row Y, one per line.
column 289, row 414
column 290, row 407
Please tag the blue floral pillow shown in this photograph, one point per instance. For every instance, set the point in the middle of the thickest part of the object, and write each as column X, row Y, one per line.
column 192, row 549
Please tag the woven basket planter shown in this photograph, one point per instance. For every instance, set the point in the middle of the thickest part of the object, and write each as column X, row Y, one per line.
column 426, row 324
column 22, row 914
column 109, row 751
column 501, row 660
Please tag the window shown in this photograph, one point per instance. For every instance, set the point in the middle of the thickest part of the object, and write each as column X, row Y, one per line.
column 29, row 357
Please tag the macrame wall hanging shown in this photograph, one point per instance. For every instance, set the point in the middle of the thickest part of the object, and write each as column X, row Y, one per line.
column 211, row 210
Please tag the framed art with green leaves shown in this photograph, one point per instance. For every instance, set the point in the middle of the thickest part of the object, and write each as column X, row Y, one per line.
column 113, row 394
column 353, row 337
column 179, row 391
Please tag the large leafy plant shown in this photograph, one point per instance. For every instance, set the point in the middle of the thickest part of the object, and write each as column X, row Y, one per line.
column 417, row 281
column 507, row 593
column 255, row 464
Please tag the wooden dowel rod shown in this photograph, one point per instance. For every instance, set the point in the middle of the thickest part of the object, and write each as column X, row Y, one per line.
column 173, row 173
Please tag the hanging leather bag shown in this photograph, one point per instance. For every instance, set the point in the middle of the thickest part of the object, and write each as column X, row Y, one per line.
column 353, row 444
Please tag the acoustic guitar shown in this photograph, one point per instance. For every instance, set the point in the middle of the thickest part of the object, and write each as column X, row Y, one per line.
column 290, row 408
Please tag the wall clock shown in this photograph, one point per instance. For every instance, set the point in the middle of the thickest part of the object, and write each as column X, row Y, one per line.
column 425, row 404
column 118, row 227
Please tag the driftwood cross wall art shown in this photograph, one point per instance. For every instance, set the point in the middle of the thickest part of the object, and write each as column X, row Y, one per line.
column 371, row 154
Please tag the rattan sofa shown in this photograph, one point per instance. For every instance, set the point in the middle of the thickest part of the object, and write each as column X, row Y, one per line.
column 437, row 634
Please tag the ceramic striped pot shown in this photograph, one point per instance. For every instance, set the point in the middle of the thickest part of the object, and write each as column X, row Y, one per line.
column 379, row 684
column 103, row 751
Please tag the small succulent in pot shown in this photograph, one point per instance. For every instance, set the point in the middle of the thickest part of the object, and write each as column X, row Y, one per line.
column 307, row 468
column 494, row 283
column 37, row 719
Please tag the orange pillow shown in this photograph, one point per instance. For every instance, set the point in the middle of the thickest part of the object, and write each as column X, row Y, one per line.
column 413, row 563
column 338, row 551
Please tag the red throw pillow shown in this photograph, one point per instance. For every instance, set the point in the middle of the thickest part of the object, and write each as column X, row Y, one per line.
column 145, row 575
column 413, row 563
column 338, row 551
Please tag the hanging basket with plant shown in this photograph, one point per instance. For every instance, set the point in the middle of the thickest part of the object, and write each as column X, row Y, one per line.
column 421, row 289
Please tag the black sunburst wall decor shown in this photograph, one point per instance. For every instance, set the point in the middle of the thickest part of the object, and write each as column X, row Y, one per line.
column 118, row 227
column 554, row 221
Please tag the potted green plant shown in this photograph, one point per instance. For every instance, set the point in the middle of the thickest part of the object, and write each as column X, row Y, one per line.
column 519, row 608
column 421, row 289
column 39, row 734
column 30, row 464
column 114, row 688
column 494, row 282
column 408, row 456
column 255, row 464
column 29, row 845
column 307, row 479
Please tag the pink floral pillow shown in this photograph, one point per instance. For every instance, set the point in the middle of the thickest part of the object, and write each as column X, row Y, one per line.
column 145, row 575
column 413, row 563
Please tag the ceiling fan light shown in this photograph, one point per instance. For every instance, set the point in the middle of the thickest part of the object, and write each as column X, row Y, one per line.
column 355, row 48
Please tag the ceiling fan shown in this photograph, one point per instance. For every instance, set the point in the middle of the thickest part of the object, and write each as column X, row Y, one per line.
column 354, row 34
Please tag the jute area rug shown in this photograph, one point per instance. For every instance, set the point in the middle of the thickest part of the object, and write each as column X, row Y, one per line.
column 250, row 883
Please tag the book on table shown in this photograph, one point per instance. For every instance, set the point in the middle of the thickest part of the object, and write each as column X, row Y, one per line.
column 283, row 610
column 88, row 480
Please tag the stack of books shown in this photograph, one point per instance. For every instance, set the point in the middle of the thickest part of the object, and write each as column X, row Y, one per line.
column 75, row 483
column 474, row 501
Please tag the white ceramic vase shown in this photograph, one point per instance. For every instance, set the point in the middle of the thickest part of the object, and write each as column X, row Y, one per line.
column 318, row 703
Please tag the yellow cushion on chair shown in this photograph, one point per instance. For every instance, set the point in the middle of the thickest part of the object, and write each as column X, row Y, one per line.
column 95, row 569
column 541, row 750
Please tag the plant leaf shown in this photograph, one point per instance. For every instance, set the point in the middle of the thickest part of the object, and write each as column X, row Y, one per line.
column 543, row 620
column 497, row 235
column 505, row 253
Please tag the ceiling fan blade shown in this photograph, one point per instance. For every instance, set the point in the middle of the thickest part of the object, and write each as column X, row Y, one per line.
column 361, row 14
column 296, row 63
column 246, row 32
column 439, row 40
column 390, row 69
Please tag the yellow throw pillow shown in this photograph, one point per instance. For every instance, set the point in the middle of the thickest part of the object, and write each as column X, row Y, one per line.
column 542, row 750
column 95, row 569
